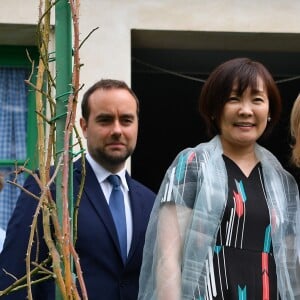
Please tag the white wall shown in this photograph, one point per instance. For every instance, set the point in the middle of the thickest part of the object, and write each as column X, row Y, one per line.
column 107, row 52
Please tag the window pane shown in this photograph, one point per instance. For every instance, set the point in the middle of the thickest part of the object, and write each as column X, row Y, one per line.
column 9, row 194
column 13, row 117
column 13, row 113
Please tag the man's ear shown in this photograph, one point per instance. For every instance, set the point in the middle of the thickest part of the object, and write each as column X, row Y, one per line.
column 83, row 125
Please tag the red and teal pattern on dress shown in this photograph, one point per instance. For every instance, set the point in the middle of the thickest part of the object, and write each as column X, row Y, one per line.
column 242, row 292
column 243, row 263
column 265, row 264
column 183, row 161
column 239, row 199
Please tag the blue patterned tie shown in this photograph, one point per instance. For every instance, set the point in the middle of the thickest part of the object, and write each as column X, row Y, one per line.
column 117, row 208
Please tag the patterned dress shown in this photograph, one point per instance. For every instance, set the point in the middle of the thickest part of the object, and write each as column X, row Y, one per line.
column 244, row 267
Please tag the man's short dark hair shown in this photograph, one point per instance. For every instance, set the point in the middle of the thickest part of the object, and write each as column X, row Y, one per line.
column 104, row 84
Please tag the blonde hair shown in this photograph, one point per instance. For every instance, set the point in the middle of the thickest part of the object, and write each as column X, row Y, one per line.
column 295, row 131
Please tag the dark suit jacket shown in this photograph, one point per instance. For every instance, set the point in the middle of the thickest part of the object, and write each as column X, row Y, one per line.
column 105, row 275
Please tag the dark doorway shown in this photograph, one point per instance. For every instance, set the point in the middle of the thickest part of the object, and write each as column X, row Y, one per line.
column 168, row 70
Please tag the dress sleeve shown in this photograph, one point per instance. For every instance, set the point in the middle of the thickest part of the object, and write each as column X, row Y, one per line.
column 166, row 231
column 182, row 180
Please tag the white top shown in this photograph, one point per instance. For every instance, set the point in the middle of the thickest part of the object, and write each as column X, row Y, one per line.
column 2, row 237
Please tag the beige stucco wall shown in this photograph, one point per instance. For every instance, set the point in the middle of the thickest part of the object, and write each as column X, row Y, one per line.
column 107, row 51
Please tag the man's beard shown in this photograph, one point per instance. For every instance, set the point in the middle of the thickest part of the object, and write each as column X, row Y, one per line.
column 114, row 160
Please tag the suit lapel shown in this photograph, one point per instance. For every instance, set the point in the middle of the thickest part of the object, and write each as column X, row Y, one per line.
column 137, row 214
column 92, row 192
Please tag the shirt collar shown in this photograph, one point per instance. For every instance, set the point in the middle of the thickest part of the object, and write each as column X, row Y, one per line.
column 101, row 173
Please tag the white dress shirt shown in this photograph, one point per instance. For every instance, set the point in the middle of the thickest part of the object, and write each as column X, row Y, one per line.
column 106, row 187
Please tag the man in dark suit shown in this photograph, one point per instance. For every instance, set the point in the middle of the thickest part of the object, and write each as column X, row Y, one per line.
column 110, row 125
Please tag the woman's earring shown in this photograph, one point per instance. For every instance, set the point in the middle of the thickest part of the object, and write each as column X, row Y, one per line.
column 269, row 119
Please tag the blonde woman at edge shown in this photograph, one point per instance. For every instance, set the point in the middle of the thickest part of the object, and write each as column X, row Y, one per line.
column 295, row 133
column 223, row 226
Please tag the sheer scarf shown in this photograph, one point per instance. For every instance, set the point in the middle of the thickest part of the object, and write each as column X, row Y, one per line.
column 186, row 217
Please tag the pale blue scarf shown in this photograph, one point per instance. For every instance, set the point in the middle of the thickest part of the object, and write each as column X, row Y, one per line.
column 197, row 181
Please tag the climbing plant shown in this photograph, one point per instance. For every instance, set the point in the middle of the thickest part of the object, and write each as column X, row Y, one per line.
column 57, row 144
